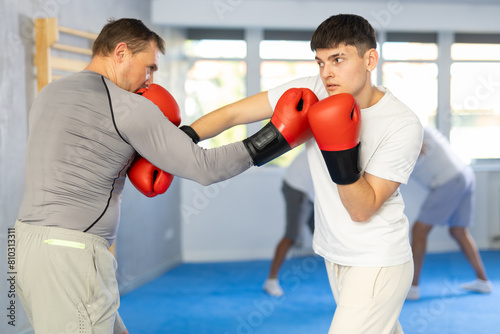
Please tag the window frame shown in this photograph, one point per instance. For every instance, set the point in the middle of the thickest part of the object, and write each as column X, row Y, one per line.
column 444, row 40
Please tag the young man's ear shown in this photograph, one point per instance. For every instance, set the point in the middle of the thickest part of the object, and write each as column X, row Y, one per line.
column 371, row 57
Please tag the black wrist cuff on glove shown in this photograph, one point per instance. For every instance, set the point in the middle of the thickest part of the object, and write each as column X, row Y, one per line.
column 191, row 133
column 343, row 165
column 267, row 144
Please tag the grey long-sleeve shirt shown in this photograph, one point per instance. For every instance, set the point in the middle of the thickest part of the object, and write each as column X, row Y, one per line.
column 83, row 134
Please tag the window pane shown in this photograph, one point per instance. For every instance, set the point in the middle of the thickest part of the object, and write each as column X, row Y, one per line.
column 409, row 51
column 462, row 51
column 286, row 50
column 212, row 84
column 475, row 104
column 213, row 48
column 415, row 84
column 275, row 73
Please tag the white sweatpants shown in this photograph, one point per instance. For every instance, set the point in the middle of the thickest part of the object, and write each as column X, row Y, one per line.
column 369, row 299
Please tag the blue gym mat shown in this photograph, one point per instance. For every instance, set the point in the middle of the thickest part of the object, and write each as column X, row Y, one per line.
column 227, row 298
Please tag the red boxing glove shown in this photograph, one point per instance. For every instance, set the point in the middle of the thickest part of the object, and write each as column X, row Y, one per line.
column 288, row 128
column 290, row 115
column 336, row 123
column 146, row 177
column 164, row 100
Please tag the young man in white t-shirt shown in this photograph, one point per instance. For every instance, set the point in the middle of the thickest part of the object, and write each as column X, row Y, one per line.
column 360, row 228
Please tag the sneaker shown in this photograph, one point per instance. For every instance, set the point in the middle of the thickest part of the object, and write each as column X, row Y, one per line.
column 478, row 286
column 272, row 287
column 414, row 293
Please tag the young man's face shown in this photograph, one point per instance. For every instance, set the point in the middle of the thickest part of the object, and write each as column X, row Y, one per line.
column 342, row 70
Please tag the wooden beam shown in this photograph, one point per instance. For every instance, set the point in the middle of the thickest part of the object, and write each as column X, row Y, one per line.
column 46, row 38
column 71, row 48
column 68, row 65
column 78, row 33
column 46, row 34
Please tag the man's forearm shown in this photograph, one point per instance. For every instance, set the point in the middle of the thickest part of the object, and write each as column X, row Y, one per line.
column 363, row 198
column 357, row 198
column 251, row 109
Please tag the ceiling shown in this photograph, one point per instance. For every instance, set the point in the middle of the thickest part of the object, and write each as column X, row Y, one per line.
column 454, row 2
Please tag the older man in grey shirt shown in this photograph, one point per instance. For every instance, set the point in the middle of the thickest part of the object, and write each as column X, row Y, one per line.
column 84, row 132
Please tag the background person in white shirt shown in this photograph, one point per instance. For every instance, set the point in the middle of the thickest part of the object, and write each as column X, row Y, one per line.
column 450, row 201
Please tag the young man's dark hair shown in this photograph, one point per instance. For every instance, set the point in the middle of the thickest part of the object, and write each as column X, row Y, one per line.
column 345, row 29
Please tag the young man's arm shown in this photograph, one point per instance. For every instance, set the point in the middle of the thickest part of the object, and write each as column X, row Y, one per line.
column 364, row 197
column 251, row 109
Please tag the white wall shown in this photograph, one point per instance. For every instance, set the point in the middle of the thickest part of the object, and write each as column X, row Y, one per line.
column 240, row 218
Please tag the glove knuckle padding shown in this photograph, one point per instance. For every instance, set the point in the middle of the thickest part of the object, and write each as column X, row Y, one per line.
column 336, row 123
column 164, row 100
column 288, row 128
column 291, row 120
column 162, row 181
column 146, row 177
column 141, row 174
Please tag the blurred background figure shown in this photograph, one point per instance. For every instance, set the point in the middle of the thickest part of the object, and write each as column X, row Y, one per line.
column 450, row 202
column 299, row 200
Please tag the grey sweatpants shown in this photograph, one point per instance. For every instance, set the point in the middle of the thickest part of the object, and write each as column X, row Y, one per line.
column 66, row 281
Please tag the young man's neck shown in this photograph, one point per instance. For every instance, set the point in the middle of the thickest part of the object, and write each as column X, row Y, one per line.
column 369, row 97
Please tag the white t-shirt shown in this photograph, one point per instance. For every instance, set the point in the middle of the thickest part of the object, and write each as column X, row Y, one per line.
column 298, row 175
column 437, row 164
column 391, row 137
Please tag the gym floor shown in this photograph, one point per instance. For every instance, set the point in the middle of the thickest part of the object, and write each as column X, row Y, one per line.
column 227, row 298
